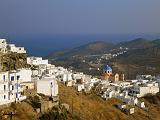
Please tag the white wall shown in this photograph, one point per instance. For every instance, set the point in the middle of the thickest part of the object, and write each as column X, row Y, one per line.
column 15, row 49
column 36, row 61
column 25, row 75
column 45, row 87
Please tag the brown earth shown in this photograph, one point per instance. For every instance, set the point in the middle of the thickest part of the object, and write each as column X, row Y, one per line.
column 85, row 107
column 92, row 107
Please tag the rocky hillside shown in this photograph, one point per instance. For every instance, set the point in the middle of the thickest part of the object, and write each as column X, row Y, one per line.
column 13, row 61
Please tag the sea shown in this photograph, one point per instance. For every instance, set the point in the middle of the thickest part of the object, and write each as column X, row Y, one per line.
column 44, row 45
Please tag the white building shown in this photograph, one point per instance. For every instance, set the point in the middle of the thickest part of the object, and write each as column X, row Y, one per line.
column 79, row 87
column 10, row 87
column 64, row 77
column 140, row 90
column 4, row 47
column 15, row 49
column 36, row 61
column 47, row 86
column 25, row 74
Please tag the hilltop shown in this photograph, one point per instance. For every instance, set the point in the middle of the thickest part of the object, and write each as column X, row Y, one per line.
column 101, row 47
column 98, row 47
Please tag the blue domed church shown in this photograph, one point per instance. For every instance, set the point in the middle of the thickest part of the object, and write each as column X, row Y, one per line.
column 107, row 72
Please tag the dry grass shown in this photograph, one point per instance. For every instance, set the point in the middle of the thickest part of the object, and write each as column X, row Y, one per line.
column 92, row 107
column 22, row 111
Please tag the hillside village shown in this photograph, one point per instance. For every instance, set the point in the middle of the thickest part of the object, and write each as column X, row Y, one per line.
column 42, row 79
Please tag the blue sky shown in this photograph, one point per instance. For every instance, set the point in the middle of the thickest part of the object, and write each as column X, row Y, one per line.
column 79, row 16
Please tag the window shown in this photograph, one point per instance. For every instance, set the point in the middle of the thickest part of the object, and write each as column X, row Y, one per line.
column 16, row 95
column 18, row 77
column 4, row 96
column 12, row 78
column 51, row 85
column 4, row 87
column 12, row 87
column 4, row 77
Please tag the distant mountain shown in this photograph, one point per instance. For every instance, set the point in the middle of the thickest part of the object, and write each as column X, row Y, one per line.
column 146, row 58
column 144, row 52
column 142, row 57
column 98, row 47
column 139, row 43
column 156, row 42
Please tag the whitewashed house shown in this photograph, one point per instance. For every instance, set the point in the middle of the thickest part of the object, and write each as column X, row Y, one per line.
column 4, row 47
column 21, row 50
column 141, row 104
column 47, row 86
column 36, row 61
column 79, row 87
column 13, row 48
column 10, row 87
column 64, row 76
column 25, row 74
column 140, row 90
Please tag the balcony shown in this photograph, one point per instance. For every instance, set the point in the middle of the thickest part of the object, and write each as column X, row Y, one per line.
column 15, row 81
column 15, row 90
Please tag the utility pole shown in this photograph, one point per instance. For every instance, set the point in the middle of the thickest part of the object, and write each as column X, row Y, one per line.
column 72, row 105
column 10, row 114
column 51, row 88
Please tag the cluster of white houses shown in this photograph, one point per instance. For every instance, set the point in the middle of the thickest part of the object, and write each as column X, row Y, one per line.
column 11, row 85
column 128, row 91
column 5, row 47
column 43, row 78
